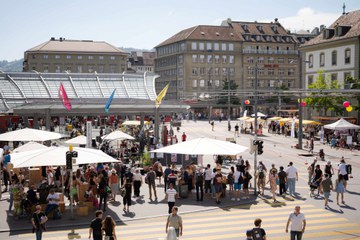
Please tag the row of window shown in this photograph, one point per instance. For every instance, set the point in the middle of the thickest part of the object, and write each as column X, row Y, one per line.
column 79, row 68
column 271, row 83
column 212, row 46
column 333, row 77
column 170, row 49
column 334, row 58
column 266, row 38
column 212, row 71
column 210, row 58
column 79, row 57
column 271, row 71
column 202, row 83
column 270, row 60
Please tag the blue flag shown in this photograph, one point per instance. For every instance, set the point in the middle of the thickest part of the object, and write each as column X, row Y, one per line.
column 107, row 106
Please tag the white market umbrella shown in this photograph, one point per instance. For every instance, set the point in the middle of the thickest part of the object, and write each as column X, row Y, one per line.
column 29, row 134
column 55, row 156
column 259, row 114
column 203, row 146
column 341, row 124
column 118, row 135
column 30, row 146
column 80, row 140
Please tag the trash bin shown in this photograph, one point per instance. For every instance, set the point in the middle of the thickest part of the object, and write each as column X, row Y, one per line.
column 184, row 191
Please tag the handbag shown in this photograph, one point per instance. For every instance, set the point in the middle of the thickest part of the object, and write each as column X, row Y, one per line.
column 107, row 189
column 122, row 191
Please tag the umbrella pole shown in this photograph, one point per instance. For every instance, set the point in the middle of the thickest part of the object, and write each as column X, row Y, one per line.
column 62, row 181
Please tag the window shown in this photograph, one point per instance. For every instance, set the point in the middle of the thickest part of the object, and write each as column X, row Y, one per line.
column 347, row 56
column 281, row 72
column 291, row 60
column 271, row 60
column 251, row 71
column 217, row 58
column 291, row 83
column 46, row 68
column 90, row 57
column 322, row 59
column 101, row 57
column 194, row 71
column 280, row 60
column 250, row 60
column 202, row 83
column 217, row 83
column 68, row 68
column 260, row 60
column 224, row 59
column 68, row 57
column 209, row 58
column 46, row 56
column 182, row 46
column 271, row 83
column 112, row 68
column 112, row 58
column 101, row 68
column 231, row 59
column 79, row 57
column 271, row 71
column 268, row 38
column 79, row 69
column 90, row 68
column 57, row 69
column 180, row 59
column 202, row 71
column 194, row 58
column 347, row 85
column 223, row 47
column 217, row 71
column 258, row 38
column 311, row 61
column 208, row 46
column 193, row 46
column 310, row 79
column 57, row 56
column 333, row 76
column 216, row 46
column 202, row 58
column 224, row 71
column 260, row 71
column 232, row 71
column 201, row 46
column 333, row 58
column 291, row 72
column 194, row 83
column 231, row 47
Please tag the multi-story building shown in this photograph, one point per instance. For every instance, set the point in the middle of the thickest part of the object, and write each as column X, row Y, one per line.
column 78, row 56
column 336, row 51
column 141, row 62
column 201, row 58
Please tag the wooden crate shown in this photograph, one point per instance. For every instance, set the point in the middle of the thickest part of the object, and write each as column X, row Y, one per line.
column 62, row 206
column 82, row 210
column 82, row 189
column 35, row 176
column 90, row 205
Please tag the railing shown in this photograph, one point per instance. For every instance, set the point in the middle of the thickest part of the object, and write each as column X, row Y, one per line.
column 280, row 52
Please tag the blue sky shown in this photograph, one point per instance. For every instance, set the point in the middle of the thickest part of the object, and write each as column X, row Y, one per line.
column 145, row 23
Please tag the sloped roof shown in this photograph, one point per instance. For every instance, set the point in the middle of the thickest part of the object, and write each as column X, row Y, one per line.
column 76, row 46
column 350, row 19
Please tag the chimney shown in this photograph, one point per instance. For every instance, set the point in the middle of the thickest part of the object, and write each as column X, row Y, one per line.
column 61, row 39
column 322, row 27
column 52, row 39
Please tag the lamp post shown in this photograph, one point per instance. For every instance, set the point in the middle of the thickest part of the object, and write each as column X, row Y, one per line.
column 228, row 78
column 255, row 127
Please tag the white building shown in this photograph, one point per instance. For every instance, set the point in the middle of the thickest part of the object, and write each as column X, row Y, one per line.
column 335, row 51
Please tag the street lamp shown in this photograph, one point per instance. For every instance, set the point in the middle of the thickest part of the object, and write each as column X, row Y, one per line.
column 228, row 78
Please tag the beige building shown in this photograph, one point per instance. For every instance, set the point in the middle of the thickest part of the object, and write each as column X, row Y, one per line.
column 141, row 62
column 199, row 59
column 78, row 56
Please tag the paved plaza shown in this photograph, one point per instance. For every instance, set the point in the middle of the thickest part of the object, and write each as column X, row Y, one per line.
column 230, row 219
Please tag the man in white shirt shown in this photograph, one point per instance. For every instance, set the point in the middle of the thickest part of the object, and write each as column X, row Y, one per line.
column 53, row 201
column 208, row 173
column 298, row 224
column 170, row 196
column 343, row 171
column 292, row 176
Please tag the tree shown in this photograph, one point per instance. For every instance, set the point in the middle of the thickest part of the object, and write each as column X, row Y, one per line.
column 353, row 83
column 326, row 102
column 223, row 99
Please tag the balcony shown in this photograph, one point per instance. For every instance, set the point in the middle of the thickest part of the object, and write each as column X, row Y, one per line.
column 277, row 52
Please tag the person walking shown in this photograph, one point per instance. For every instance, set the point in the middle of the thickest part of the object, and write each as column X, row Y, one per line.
column 175, row 221
column 114, row 184
column 318, row 174
column 108, row 228
column 128, row 184
column 150, row 179
column 282, row 181
column 329, row 169
column 208, row 174
column 247, row 177
column 167, row 172
column 326, row 187
column 171, row 195
column 343, row 171
column 183, row 137
column 218, row 185
column 238, row 181
column 272, row 180
column 212, row 125
column 137, row 182
column 199, row 185
column 311, row 170
column 38, row 221
column 261, row 177
column 96, row 225
column 340, row 189
column 258, row 233
column 292, row 177
column 102, row 191
column 298, row 224
column 237, row 130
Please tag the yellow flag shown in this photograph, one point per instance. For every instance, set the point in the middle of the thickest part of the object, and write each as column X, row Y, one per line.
column 161, row 95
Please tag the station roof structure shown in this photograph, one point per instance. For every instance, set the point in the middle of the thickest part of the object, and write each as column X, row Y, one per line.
column 37, row 92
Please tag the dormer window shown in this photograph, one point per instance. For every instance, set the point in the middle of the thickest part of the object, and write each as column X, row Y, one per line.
column 275, row 29
column 257, row 38
column 287, row 39
column 278, row 39
column 245, row 27
column 217, row 34
column 260, row 27
column 268, row 38
column 202, row 33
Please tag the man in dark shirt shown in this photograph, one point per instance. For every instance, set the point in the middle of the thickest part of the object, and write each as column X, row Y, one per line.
column 282, row 180
column 258, row 233
column 31, row 195
column 95, row 226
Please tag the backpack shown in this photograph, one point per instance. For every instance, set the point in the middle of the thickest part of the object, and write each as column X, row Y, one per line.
column 257, row 234
column 261, row 175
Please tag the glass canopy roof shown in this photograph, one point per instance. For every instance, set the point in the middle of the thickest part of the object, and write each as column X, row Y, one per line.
column 19, row 87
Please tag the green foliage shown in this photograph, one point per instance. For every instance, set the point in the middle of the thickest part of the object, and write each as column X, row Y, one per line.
column 224, row 96
column 325, row 103
column 146, row 161
column 354, row 83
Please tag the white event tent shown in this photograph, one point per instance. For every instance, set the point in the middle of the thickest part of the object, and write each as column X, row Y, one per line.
column 29, row 134
column 80, row 140
column 30, row 146
column 118, row 135
column 341, row 124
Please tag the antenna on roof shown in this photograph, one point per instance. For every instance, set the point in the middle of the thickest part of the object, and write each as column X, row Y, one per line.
column 344, row 7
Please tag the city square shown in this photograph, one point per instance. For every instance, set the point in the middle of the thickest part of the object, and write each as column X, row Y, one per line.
column 226, row 127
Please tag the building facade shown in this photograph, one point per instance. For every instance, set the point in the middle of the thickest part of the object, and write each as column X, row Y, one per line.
column 78, row 56
column 336, row 51
column 141, row 62
column 199, row 59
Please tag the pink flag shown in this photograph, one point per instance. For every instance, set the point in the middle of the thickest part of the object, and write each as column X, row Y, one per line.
column 64, row 98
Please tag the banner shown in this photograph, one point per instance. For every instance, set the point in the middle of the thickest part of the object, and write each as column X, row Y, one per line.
column 161, row 96
column 64, row 98
column 88, row 134
column 108, row 103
